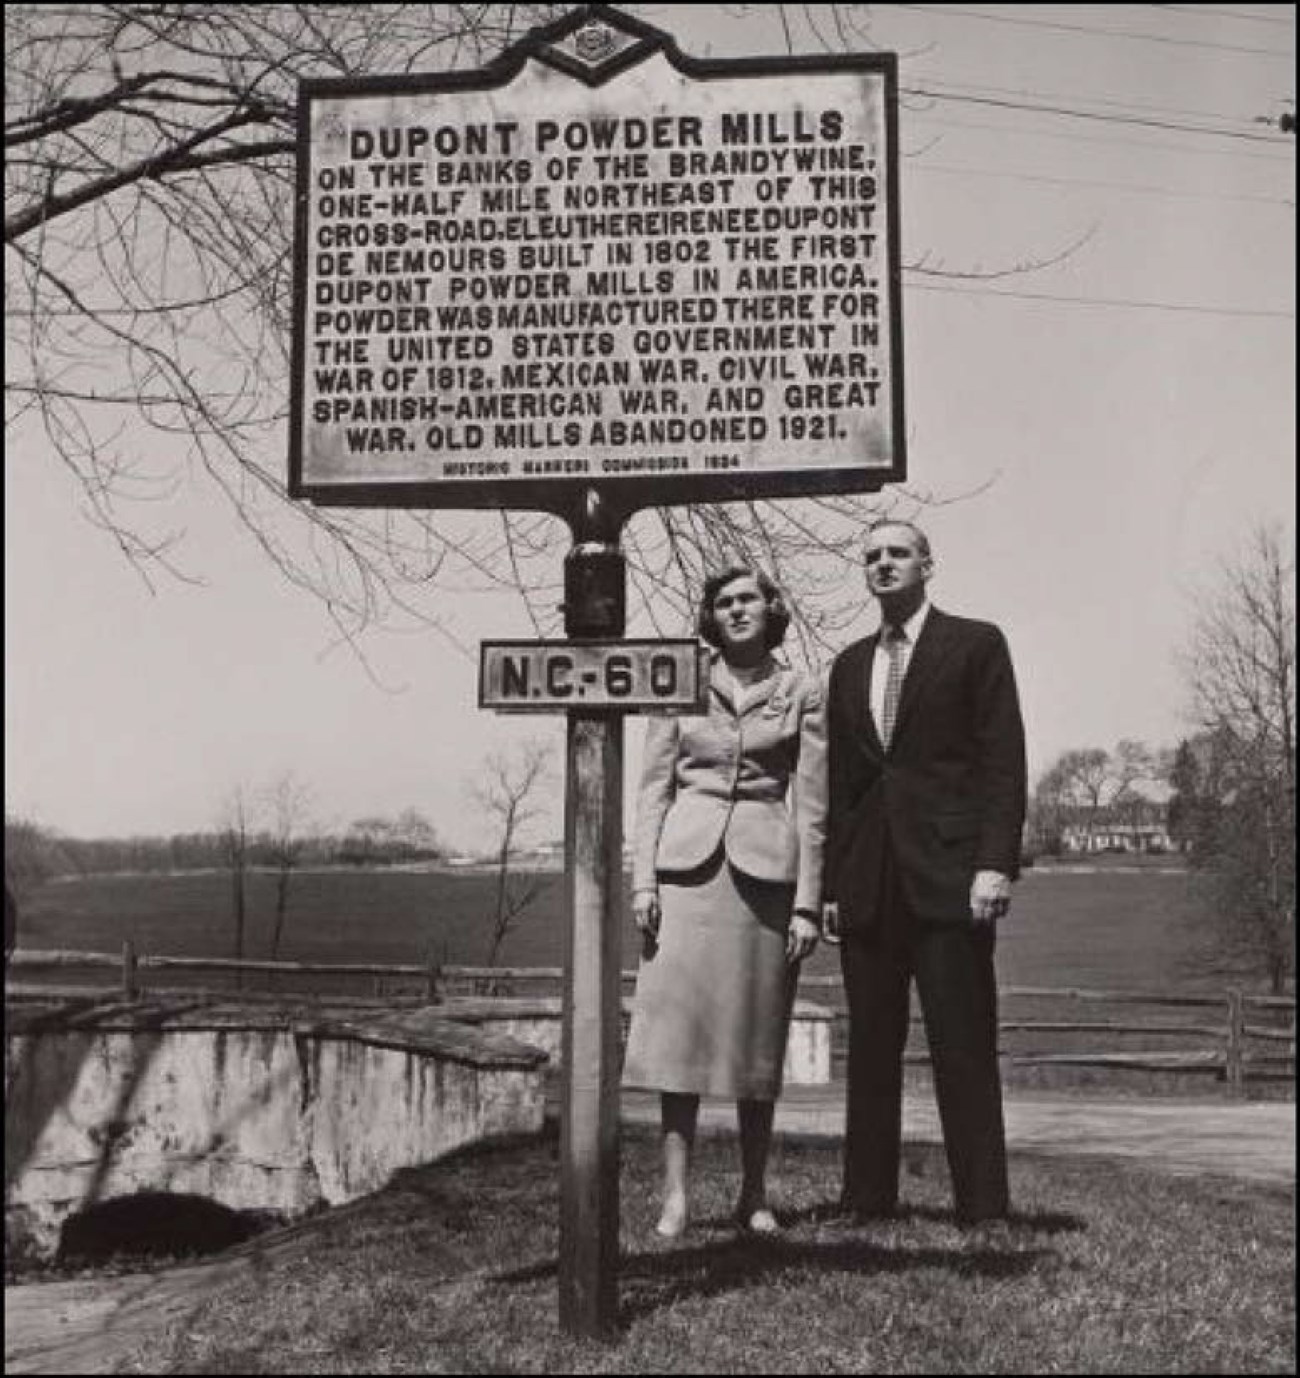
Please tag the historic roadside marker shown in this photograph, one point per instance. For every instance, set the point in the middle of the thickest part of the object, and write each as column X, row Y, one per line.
column 596, row 276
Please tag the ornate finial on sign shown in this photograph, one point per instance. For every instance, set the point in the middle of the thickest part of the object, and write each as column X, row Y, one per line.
column 594, row 41
column 595, row 44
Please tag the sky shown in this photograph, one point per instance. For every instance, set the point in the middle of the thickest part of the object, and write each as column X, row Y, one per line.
column 1095, row 436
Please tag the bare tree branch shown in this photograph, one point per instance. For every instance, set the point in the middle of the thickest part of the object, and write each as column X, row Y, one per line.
column 508, row 792
column 149, row 197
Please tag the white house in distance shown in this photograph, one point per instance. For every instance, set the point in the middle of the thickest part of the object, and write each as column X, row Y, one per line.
column 1139, row 823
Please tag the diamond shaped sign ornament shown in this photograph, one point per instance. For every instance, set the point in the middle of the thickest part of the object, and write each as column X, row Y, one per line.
column 598, row 266
column 595, row 47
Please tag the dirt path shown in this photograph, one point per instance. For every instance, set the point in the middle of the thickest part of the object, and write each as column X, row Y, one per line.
column 89, row 1326
column 1250, row 1139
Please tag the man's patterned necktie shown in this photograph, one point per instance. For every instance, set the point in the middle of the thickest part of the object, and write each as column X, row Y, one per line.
column 894, row 640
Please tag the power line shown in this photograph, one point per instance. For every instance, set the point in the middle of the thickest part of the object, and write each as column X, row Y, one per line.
column 1067, row 112
column 1131, row 107
column 1062, row 135
column 953, row 12
column 1225, row 14
column 1128, row 303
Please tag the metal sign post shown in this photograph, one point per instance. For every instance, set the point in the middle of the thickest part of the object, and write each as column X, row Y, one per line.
column 594, row 606
column 593, row 855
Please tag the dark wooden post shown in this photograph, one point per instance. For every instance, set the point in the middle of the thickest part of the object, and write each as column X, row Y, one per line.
column 129, row 968
column 593, row 853
column 1236, row 1050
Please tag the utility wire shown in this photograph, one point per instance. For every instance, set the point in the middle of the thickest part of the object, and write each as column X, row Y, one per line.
column 1182, row 308
column 1060, row 134
column 953, row 12
column 1128, row 107
column 1098, row 115
column 1225, row 14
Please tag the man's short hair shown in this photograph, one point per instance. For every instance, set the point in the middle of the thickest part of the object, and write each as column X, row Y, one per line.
column 778, row 613
column 922, row 540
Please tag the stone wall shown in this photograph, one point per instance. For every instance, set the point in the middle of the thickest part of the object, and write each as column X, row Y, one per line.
column 254, row 1109
column 274, row 1107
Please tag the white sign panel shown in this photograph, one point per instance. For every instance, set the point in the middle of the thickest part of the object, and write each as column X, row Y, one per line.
column 684, row 276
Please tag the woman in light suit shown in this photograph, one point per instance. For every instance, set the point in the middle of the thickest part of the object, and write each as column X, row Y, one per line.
column 727, row 888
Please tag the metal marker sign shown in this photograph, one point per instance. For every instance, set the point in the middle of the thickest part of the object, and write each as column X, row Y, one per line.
column 632, row 676
column 598, row 263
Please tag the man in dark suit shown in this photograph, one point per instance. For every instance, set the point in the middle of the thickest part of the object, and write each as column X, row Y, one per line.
column 927, row 801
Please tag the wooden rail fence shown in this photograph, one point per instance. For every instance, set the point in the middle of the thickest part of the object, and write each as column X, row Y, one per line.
column 1252, row 1037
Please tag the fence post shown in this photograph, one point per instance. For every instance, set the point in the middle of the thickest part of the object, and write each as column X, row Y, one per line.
column 1290, row 1047
column 1236, row 1059
column 129, row 989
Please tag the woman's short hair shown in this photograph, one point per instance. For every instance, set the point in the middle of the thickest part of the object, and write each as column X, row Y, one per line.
column 778, row 613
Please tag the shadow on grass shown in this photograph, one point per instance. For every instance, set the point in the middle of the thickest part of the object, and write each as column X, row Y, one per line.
column 831, row 1212
column 666, row 1274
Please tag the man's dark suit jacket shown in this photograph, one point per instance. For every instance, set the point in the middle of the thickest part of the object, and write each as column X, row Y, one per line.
column 948, row 796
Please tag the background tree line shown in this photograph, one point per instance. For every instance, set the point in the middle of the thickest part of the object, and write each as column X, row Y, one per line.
column 35, row 854
column 1226, row 792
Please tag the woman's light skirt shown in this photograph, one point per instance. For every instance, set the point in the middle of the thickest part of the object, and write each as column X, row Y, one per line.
column 713, row 1001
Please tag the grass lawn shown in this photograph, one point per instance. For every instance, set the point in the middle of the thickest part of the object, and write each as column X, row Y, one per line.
column 452, row 1269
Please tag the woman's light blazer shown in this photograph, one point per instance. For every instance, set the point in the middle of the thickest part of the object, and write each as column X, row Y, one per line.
column 753, row 781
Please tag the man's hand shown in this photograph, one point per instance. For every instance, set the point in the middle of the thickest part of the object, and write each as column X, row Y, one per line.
column 801, row 938
column 646, row 912
column 990, row 896
column 831, row 923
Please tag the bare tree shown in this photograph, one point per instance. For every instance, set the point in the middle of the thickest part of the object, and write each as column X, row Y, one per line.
column 149, row 168
column 379, row 841
column 1086, row 786
column 1132, row 763
column 149, row 191
column 509, row 794
column 1239, row 666
column 33, row 855
column 1085, row 774
column 234, row 833
column 287, row 803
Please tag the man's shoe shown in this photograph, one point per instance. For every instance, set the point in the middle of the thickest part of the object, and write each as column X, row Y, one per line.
column 757, row 1221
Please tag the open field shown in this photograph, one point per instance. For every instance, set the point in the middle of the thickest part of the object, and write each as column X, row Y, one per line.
column 452, row 1269
column 1111, row 928
column 1126, row 925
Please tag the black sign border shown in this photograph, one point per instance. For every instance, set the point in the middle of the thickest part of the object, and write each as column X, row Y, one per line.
column 621, row 496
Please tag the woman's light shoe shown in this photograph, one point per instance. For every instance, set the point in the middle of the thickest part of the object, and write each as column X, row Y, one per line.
column 759, row 1221
column 672, row 1220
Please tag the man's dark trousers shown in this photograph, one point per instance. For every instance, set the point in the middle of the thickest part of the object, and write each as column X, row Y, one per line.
column 952, row 964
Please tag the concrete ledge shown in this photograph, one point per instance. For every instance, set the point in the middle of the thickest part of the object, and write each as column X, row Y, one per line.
column 277, row 1109
column 537, row 1020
